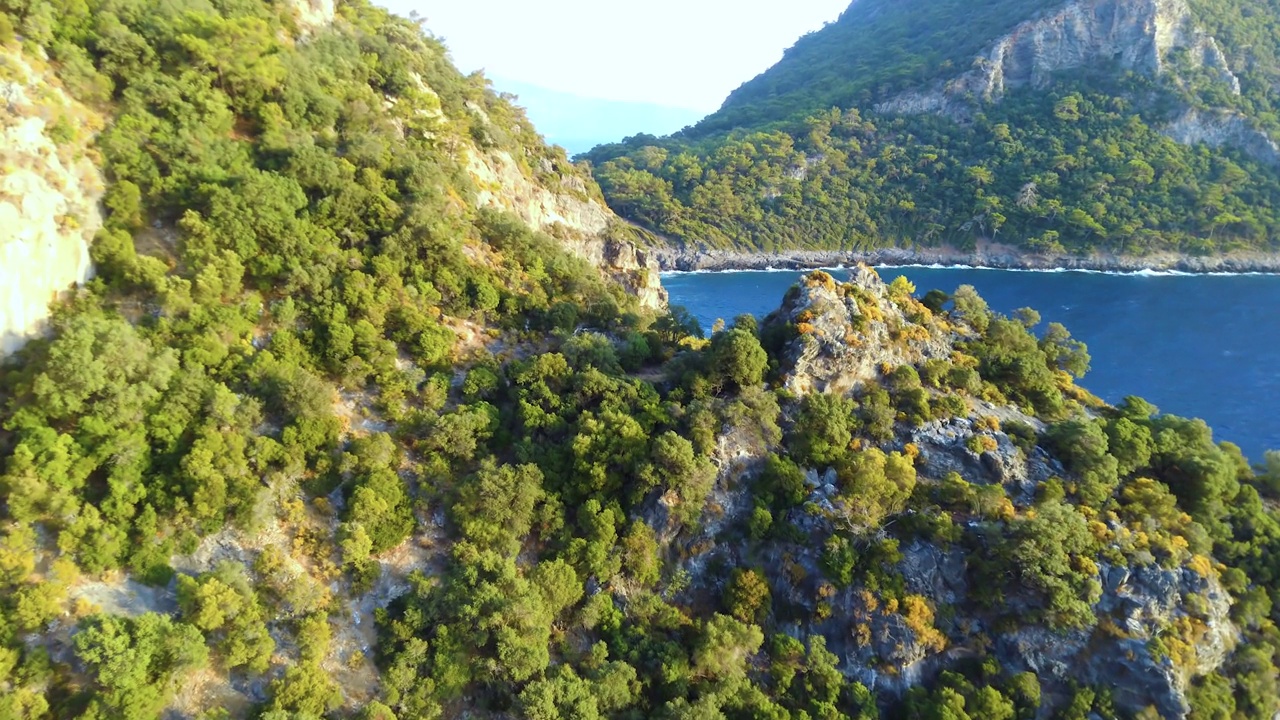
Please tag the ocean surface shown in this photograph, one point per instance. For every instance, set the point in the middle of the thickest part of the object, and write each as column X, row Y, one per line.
column 1205, row 346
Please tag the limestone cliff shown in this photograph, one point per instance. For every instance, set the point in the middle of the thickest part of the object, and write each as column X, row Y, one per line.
column 1217, row 128
column 49, row 192
column 1136, row 35
column 550, row 194
column 558, row 201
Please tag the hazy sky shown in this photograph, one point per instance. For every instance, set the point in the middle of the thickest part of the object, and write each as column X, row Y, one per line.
column 684, row 53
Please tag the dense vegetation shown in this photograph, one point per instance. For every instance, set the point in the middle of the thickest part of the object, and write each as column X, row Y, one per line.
column 323, row 440
column 797, row 158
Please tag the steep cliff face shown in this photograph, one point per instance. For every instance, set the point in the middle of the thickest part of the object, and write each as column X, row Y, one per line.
column 49, row 192
column 550, row 195
column 1136, row 35
column 1218, row 128
column 559, row 201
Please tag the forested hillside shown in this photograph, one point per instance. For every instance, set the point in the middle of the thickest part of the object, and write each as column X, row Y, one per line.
column 1092, row 126
column 373, row 411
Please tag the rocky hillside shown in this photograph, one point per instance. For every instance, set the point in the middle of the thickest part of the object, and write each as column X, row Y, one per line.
column 968, row 571
column 567, row 204
column 849, row 331
column 356, row 420
column 1155, row 38
column 1067, row 129
column 54, row 185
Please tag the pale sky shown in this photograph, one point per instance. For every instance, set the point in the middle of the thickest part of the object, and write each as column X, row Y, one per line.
column 682, row 53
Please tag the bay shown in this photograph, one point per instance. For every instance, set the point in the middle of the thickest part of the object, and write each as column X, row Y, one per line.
column 1205, row 346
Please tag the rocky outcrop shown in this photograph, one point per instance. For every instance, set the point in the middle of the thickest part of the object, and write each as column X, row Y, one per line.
column 1154, row 626
column 49, row 193
column 1218, row 128
column 1136, row 35
column 313, row 15
column 1138, row 606
column 943, row 448
column 501, row 183
column 582, row 222
column 849, row 332
column 633, row 268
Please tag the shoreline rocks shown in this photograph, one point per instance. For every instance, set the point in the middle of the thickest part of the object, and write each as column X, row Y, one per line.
column 681, row 260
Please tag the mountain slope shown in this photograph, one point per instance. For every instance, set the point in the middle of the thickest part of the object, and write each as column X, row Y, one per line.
column 875, row 49
column 1076, row 127
column 363, row 416
column 167, row 155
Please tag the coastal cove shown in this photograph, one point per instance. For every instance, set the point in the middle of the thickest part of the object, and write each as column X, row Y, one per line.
column 1195, row 345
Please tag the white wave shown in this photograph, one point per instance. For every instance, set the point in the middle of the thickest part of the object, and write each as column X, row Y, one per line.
column 1143, row 272
column 677, row 273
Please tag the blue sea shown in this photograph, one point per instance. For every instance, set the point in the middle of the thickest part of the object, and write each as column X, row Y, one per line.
column 1204, row 346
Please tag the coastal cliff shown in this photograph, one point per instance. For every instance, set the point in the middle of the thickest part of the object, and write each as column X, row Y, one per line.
column 53, row 183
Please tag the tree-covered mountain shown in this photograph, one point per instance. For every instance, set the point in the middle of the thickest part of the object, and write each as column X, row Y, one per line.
column 366, row 407
column 1090, row 126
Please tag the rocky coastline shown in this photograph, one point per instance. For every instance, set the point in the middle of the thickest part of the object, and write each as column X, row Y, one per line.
column 689, row 260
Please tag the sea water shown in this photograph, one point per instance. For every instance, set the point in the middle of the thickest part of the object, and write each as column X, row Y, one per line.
column 1204, row 346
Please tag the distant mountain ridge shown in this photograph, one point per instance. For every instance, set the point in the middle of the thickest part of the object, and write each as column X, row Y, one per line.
column 1076, row 127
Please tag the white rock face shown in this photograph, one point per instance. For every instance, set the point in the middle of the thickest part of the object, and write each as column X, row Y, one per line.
column 314, row 14
column 1216, row 128
column 1138, row 35
column 502, row 185
column 49, row 197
